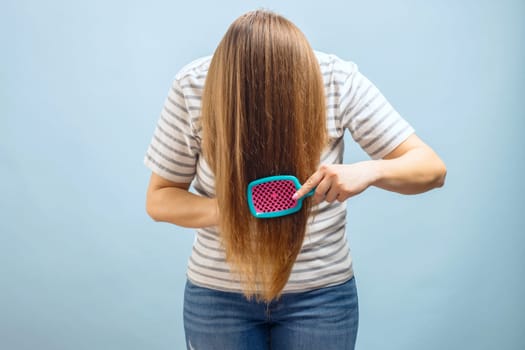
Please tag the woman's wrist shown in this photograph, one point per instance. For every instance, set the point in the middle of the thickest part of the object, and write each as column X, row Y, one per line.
column 376, row 171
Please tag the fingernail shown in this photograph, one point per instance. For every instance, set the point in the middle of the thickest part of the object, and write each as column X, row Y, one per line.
column 295, row 195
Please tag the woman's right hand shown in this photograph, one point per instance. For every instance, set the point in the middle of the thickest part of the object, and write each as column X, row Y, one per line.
column 339, row 181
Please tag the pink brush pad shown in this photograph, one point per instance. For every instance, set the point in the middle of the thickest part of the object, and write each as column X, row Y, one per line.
column 273, row 196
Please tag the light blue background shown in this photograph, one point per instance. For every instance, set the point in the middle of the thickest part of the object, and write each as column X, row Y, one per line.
column 82, row 84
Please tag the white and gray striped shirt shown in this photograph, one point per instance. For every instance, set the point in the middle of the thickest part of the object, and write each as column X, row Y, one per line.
column 352, row 103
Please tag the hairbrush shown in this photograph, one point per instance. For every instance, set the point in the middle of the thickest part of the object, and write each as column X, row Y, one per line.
column 271, row 197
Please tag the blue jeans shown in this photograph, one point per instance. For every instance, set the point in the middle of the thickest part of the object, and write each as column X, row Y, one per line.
column 321, row 319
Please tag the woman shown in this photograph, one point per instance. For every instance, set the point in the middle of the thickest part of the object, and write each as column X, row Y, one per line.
column 267, row 104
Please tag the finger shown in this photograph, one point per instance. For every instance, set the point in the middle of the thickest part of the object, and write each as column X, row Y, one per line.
column 309, row 185
column 332, row 194
column 322, row 189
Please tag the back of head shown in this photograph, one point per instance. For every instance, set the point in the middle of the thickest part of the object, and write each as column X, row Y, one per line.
column 263, row 114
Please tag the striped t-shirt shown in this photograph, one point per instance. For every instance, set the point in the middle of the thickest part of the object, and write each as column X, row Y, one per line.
column 352, row 102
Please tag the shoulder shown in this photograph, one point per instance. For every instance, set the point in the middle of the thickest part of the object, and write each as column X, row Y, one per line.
column 194, row 71
column 332, row 63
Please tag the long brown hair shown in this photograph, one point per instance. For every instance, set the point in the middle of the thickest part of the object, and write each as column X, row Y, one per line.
column 263, row 114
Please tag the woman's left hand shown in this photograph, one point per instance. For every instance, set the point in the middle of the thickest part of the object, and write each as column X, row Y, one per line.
column 340, row 181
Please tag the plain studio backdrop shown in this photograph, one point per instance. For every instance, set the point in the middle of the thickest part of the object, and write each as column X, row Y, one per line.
column 82, row 84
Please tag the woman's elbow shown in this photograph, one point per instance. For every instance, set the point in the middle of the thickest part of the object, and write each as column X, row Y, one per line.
column 151, row 209
column 440, row 174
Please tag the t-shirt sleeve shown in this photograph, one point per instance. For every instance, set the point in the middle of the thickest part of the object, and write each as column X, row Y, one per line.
column 372, row 121
column 173, row 150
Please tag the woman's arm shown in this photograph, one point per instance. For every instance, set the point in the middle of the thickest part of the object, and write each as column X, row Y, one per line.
column 413, row 167
column 169, row 201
